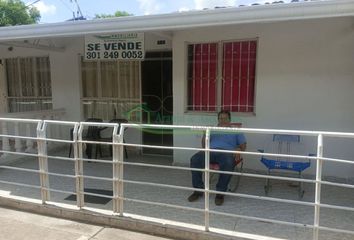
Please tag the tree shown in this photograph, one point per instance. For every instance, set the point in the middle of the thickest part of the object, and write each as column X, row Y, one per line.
column 15, row 12
column 116, row 14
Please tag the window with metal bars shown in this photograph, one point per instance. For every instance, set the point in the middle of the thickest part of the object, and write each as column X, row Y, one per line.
column 222, row 76
column 109, row 88
column 28, row 84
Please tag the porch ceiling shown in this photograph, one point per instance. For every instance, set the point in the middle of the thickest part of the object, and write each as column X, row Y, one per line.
column 185, row 20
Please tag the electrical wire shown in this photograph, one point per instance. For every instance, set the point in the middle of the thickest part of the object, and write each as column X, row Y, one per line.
column 30, row 4
column 78, row 8
column 67, row 6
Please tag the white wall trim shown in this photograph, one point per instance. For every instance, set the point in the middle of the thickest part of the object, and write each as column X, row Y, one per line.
column 185, row 20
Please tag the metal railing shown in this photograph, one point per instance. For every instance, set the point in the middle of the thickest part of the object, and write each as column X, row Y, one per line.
column 118, row 164
column 9, row 128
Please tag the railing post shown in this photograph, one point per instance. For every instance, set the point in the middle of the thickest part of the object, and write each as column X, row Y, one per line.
column 318, row 186
column 29, row 142
column 116, row 168
column 18, row 144
column 50, row 129
column 56, row 130
column 207, row 179
column 43, row 160
column 121, row 170
column 79, row 172
column 5, row 140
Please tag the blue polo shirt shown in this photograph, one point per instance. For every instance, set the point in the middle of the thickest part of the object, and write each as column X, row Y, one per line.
column 226, row 141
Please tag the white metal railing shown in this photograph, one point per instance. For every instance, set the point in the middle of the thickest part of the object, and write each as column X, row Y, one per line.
column 25, row 129
column 118, row 163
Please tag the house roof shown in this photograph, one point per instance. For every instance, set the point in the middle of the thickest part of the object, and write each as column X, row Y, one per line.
column 185, row 20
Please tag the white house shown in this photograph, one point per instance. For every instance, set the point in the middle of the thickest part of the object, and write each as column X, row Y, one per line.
column 279, row 66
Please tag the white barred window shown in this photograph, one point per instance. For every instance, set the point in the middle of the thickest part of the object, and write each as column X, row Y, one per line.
column 28, row 84
column 110, row 88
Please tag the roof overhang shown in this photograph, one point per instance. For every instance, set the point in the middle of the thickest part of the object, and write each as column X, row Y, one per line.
column 185, row 20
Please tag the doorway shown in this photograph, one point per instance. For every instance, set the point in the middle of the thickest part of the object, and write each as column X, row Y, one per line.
column 157, row 100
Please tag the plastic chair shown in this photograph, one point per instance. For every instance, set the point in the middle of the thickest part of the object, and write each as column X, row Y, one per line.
column 235, row 179
column 109, row 139
column 93, row 133
column 284, row 147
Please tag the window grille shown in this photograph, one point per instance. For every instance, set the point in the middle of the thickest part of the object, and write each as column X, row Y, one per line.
column 239, row 67
column 29, row 84
column 202, row 75
column 110, row 88
column 237, row 76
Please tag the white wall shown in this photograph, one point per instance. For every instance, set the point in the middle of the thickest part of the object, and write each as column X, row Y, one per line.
column 65, row 68
column 304, row 81
column 64, row 73
column 3, row 103
column 152, row 38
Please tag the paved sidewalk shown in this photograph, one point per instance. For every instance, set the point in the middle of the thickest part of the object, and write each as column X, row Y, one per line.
column 17, row 225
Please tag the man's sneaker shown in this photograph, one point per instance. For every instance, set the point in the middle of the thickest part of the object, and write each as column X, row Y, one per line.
column 195, row 196
column 219, row 199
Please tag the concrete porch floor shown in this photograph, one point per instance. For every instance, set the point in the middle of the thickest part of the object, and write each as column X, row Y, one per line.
column 236, row 205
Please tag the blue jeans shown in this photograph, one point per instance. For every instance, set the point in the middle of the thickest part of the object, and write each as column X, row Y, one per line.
column 226, row 162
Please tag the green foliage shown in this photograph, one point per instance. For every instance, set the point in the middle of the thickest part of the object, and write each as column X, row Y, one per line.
column 15, row 12
column 116, row 14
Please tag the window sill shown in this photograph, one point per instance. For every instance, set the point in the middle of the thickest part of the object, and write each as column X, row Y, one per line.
column 233, row 114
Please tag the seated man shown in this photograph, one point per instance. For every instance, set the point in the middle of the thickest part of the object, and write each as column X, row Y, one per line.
column 226, row 161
